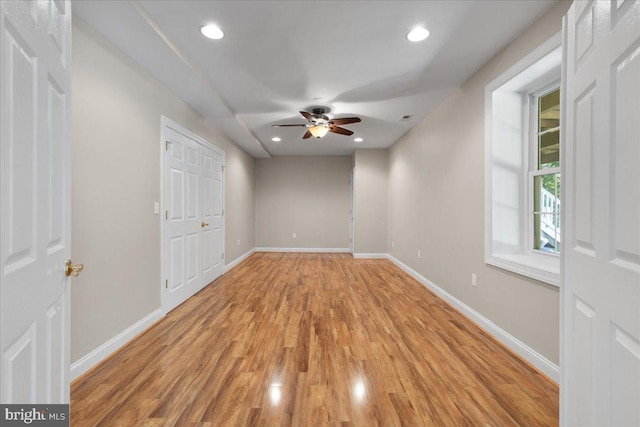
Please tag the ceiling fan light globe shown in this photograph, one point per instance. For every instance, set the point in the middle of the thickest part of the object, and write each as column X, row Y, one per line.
column 318, row 131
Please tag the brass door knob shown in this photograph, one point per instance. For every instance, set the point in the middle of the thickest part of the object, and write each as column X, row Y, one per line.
column 74, row 269
column 204, row 224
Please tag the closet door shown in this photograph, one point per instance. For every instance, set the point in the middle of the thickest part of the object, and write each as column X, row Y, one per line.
column 194, row 210
column 183, row 231
column 212, row 214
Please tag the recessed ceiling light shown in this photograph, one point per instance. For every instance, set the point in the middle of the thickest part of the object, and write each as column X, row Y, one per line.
column 417, row 34
column 211, row 31
column 276, row 139
column 358, row 140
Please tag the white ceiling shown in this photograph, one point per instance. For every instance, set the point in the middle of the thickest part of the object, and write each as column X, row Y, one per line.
column 277, row 57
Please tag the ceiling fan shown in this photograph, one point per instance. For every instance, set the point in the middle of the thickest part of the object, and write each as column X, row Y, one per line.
column 319, row 124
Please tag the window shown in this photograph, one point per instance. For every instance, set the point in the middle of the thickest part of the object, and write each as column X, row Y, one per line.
column 522, row 182
column 545, row 172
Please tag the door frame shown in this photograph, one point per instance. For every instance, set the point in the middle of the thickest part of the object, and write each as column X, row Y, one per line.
column 167, row 123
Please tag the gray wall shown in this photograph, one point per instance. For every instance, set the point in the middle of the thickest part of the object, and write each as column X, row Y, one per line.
column 116, row 180
column 436, row 205
column 370, row 201
column 308, row 196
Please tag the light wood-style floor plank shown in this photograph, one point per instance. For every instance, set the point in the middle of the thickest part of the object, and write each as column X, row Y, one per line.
column 310, row 340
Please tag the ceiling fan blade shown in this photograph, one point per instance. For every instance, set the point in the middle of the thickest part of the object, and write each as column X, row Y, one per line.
column 341, row 131
column 307, row 135
column 306, row 115
column 284, row 126
column 346, row 120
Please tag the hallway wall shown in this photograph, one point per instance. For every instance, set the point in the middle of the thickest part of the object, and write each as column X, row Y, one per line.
column 436, row 206
column 116, row 180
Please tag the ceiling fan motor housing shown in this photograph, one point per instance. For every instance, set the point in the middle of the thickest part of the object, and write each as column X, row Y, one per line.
column 318, row 113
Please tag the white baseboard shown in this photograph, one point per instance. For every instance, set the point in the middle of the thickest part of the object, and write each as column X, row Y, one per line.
column 370, row 256
column 333, row 250
column 536, row 359
column 238, row 260
column 90, row 360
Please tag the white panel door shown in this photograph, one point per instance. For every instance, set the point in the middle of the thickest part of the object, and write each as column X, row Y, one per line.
column 194, row 230
column 600, row 382
column 212, row 214
column 35, row 59
column 183, row 231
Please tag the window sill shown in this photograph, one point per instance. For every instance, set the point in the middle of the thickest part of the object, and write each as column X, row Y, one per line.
column 545, row 268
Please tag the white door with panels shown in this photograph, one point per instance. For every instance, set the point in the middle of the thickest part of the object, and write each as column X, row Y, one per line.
column 182, row 216
column 212, row 214
column 600, row 351
column 194, row 226
column 35, row 79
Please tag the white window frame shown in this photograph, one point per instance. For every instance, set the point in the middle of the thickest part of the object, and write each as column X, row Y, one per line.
column 533, row 163
column 508, row 157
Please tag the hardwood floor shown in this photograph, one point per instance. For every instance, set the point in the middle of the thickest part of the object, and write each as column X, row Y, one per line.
column 309, row 340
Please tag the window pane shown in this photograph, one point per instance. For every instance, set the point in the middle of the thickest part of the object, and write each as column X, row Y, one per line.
column 546, row 216
column 546, row 193
column 549, row 130
column 546, row 232
column 558, row 190
column 549, row 149
column 549, row 111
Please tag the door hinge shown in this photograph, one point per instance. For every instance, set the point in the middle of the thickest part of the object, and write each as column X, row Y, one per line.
column 166, row 283
column 166, row 145
column 222, row 212
column 223, row 168
column 223, row 255
column 166, row 214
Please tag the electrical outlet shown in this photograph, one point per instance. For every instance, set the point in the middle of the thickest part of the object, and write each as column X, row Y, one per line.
column 156, row 208
column 419, row 253
column 294, row 235
column 393, row 244
column 474, row 281
column 238, row 242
